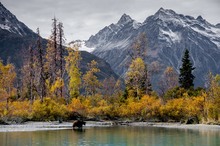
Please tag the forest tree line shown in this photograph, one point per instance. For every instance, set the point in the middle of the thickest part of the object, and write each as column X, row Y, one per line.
column 51, row 86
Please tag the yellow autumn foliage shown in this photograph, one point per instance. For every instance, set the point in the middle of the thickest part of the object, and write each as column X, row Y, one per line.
column 77, row 106
column 48, row 110
column 102, row 109
column 195, row 106
column 20, row 109
column 146, row 108
column 3, row 108
column 151, row 106
column 175, row 109
column 57, row 85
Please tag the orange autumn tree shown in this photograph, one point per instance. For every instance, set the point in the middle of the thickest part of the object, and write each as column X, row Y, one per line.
column 7, row 89
column 134, row 78
column 213, row 98
column 90, row 80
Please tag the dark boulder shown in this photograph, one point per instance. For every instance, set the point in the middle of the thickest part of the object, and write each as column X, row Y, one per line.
column 2, row 122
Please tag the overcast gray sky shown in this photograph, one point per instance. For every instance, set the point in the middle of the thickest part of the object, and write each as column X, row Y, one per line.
column 82, row 18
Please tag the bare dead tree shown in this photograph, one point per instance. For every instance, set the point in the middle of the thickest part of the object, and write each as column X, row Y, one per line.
column 61, row 53
column 40, row 64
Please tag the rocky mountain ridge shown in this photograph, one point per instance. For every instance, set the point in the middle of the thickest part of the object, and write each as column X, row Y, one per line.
column 16, row 37
column 168, row 35
column 10, row 23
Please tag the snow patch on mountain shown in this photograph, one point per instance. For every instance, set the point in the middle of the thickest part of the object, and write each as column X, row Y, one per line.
column 170, row 35
column 136, row 24
column 81, row 44
column 9, row 22
column 212, row 33
column 5, row 27
column 83, row 47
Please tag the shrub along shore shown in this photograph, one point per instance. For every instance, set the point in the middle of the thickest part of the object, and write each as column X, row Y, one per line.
column 96, row 108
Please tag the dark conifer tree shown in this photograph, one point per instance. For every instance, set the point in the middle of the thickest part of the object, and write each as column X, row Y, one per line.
column 186, row 77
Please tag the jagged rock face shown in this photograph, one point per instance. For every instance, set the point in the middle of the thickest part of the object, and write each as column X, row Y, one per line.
column 112, row 42
column 168, row 34
column 10, row 23
column 218, row 25
column 15, row 37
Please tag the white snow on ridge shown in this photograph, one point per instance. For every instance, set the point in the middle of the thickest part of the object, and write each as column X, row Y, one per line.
column 136, row 24
column 12, row 29
column 212, row 33
column 173, row 36
column 82, row 46
column 188, row 21
column 18, row 31
column 216, row 31
column 5, row 27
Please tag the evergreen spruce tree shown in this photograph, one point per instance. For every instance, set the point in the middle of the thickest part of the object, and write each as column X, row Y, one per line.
column 186, row 77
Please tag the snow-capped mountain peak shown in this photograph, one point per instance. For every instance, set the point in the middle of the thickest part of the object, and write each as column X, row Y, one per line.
column 165, row 13
column 168, row 35
column 125, row 19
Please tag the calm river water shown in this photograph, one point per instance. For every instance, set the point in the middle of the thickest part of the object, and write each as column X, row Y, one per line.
column 113, row 136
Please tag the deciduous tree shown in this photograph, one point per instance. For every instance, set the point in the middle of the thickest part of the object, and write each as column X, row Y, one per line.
column 73, row 71
column 169, row 80
column 134, row 77
column 213, row 98
column 7, row 89
column 90, row 80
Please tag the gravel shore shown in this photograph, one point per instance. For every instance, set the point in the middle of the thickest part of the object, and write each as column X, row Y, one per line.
column 36, row 126
column 178, row 125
